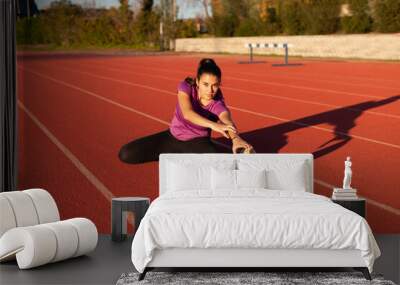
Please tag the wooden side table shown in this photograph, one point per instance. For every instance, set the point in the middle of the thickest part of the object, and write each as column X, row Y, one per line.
column 357, row 205
column 119, row 208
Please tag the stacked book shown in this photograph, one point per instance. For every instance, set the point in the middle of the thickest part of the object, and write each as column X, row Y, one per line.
column 344, row 194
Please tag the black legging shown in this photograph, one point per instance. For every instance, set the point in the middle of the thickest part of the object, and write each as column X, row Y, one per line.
column 149, row 148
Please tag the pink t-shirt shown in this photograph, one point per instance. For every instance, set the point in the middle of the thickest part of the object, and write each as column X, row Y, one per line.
column 184, row 130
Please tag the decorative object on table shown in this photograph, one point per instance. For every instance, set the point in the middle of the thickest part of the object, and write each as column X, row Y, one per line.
column 347, row 173
column 355, row 205
column 31, row 231
column 120, row 207
column 346, row 193
column 248, row 278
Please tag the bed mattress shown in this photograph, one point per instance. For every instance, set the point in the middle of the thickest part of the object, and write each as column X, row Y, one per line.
column 251, row 219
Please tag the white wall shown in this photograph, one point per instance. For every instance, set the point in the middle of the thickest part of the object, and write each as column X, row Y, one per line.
column 366, row 46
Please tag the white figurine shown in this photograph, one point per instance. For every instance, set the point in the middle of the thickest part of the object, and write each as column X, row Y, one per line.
column 347, row 174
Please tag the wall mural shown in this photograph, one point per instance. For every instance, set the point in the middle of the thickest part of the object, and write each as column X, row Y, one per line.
column 92, row 121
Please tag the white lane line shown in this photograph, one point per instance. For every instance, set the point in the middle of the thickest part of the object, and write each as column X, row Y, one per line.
column 103, row 98
column 316, row 128
column 341, row 78
column 75, row 161
column 281, row 76
column 273, row 83
column 306, row 88
column 316, row 103
column 372, row 202
column 312, row 74
column 230, row 106
column 345, row 77
column 383, row 206
column 252, row 92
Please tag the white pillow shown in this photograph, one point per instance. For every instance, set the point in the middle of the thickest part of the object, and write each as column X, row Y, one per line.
column 191, row 174
column 223, row 179
column 251, row 178
column 292, row 179
column 235, row 179
column 281, row 174
column 182, row 177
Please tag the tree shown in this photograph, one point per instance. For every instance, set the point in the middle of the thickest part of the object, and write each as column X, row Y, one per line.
column 231, row 18
column 168, row 11
column 147, row 5
column 387, row 15
column 360, row 20
column 292, row 16
column 268, row 14
column 147, row 23
column 321, row 16
column 124, row 21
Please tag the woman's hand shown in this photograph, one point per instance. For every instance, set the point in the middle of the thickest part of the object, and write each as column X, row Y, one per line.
column 239, row 144
column 223, row 129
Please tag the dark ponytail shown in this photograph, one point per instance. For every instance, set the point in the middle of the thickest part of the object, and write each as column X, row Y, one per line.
column 190, row 80
column 206, row 65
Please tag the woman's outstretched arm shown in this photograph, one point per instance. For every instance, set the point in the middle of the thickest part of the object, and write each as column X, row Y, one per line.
column 237, row 142
column 190, row 115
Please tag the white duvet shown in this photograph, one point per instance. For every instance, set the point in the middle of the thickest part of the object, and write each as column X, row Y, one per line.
column 250, row 219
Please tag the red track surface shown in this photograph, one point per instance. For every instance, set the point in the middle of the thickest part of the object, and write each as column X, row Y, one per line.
column 76, row 112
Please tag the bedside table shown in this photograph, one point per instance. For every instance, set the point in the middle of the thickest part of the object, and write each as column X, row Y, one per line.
column 357, row 205
column 119, row 207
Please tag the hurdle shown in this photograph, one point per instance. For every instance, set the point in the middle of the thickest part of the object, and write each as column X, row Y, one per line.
column 251, row 46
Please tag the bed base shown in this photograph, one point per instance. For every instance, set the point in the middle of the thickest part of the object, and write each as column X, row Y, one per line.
column 364, row 271
column 246, row 258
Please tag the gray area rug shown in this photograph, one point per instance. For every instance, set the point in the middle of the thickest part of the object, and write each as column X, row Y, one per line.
column 232, row 278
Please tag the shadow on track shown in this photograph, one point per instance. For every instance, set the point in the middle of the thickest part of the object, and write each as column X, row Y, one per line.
column 272, row 139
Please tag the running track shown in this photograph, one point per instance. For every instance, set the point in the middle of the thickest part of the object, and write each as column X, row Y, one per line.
column 75, row 112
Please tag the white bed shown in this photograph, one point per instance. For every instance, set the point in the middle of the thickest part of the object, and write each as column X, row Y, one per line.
column 209, row 223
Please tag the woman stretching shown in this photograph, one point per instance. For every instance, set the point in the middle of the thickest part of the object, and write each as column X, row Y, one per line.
column 200, row 109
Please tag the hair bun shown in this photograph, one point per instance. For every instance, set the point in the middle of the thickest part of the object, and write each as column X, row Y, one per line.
column 208, row 65
column 207, row 61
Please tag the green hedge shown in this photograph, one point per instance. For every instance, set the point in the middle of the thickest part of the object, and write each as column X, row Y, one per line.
column 360, row 20
column 303, row 17
column 292, row 15
column 387, row 16
column 321, row 16
column 69, row 25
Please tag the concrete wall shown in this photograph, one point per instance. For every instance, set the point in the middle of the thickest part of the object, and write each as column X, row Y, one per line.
column 368, row 46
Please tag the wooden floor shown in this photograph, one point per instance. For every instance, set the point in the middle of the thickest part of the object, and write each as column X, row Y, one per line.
column 111, row 259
